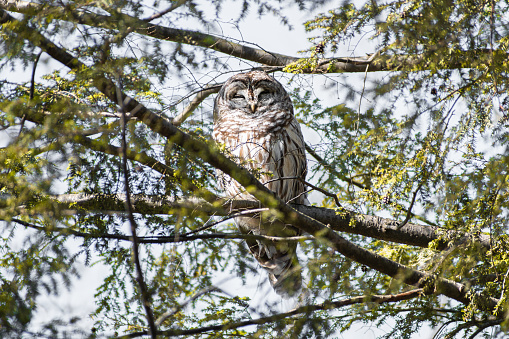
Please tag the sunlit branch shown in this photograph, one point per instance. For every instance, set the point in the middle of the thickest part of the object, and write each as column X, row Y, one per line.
column 343, row 221
column 308, row 309
column 188, row 110
column 372, row 63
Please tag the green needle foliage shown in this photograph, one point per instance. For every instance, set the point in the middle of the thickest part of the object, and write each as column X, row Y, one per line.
column 106, row 160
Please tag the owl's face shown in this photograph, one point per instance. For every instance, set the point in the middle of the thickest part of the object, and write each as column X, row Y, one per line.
column 253, row 94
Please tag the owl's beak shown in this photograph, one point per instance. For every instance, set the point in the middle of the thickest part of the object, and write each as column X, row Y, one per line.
column 253, row 106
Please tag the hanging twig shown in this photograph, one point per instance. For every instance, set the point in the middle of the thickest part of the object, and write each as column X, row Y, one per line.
column 139, row 273
column 32, row 80
column 32, row 90
column 409, row 211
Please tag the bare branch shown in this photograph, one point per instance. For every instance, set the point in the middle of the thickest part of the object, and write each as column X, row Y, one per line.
column 188, row 110
column 409, row 210
column 328, row 305
column 342, row 221
column 173, row 7
column 170, row 239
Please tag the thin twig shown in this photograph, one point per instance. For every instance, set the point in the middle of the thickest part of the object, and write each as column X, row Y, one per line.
column 32, row 90
column 321, row 190
column 173, row 7
column 32, row 80
column 196, row 93
column 338, row 175
column 363, row 88
column 158, row 239
column 231, row 216
column 139, row 273
column 409, row 210
column 328, row 167
column 176, row 309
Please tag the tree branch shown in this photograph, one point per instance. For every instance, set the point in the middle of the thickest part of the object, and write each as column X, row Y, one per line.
column 144, row 295
column 350, row 181
column 371, row 63
column 342, row 221
column 308, row 309
column 177, row 238
column 199, row 97
column 176, row 4
column 141, row 157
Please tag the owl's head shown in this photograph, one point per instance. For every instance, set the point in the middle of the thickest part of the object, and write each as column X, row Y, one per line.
column 253, row 93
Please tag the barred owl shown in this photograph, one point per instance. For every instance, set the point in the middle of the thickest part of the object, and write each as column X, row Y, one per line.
column 253, row 119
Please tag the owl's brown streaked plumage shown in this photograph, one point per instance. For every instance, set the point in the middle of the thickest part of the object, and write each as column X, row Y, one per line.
column 253, row 119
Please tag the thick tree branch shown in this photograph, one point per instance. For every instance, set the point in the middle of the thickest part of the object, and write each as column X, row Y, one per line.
column 343, row 221
column 211, row 155
column 371, row 63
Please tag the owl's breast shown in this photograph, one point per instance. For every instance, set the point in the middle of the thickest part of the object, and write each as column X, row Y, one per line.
column 272, row 145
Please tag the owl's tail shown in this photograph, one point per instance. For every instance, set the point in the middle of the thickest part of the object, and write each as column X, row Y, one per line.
column 283, row 268
column 288, row 283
